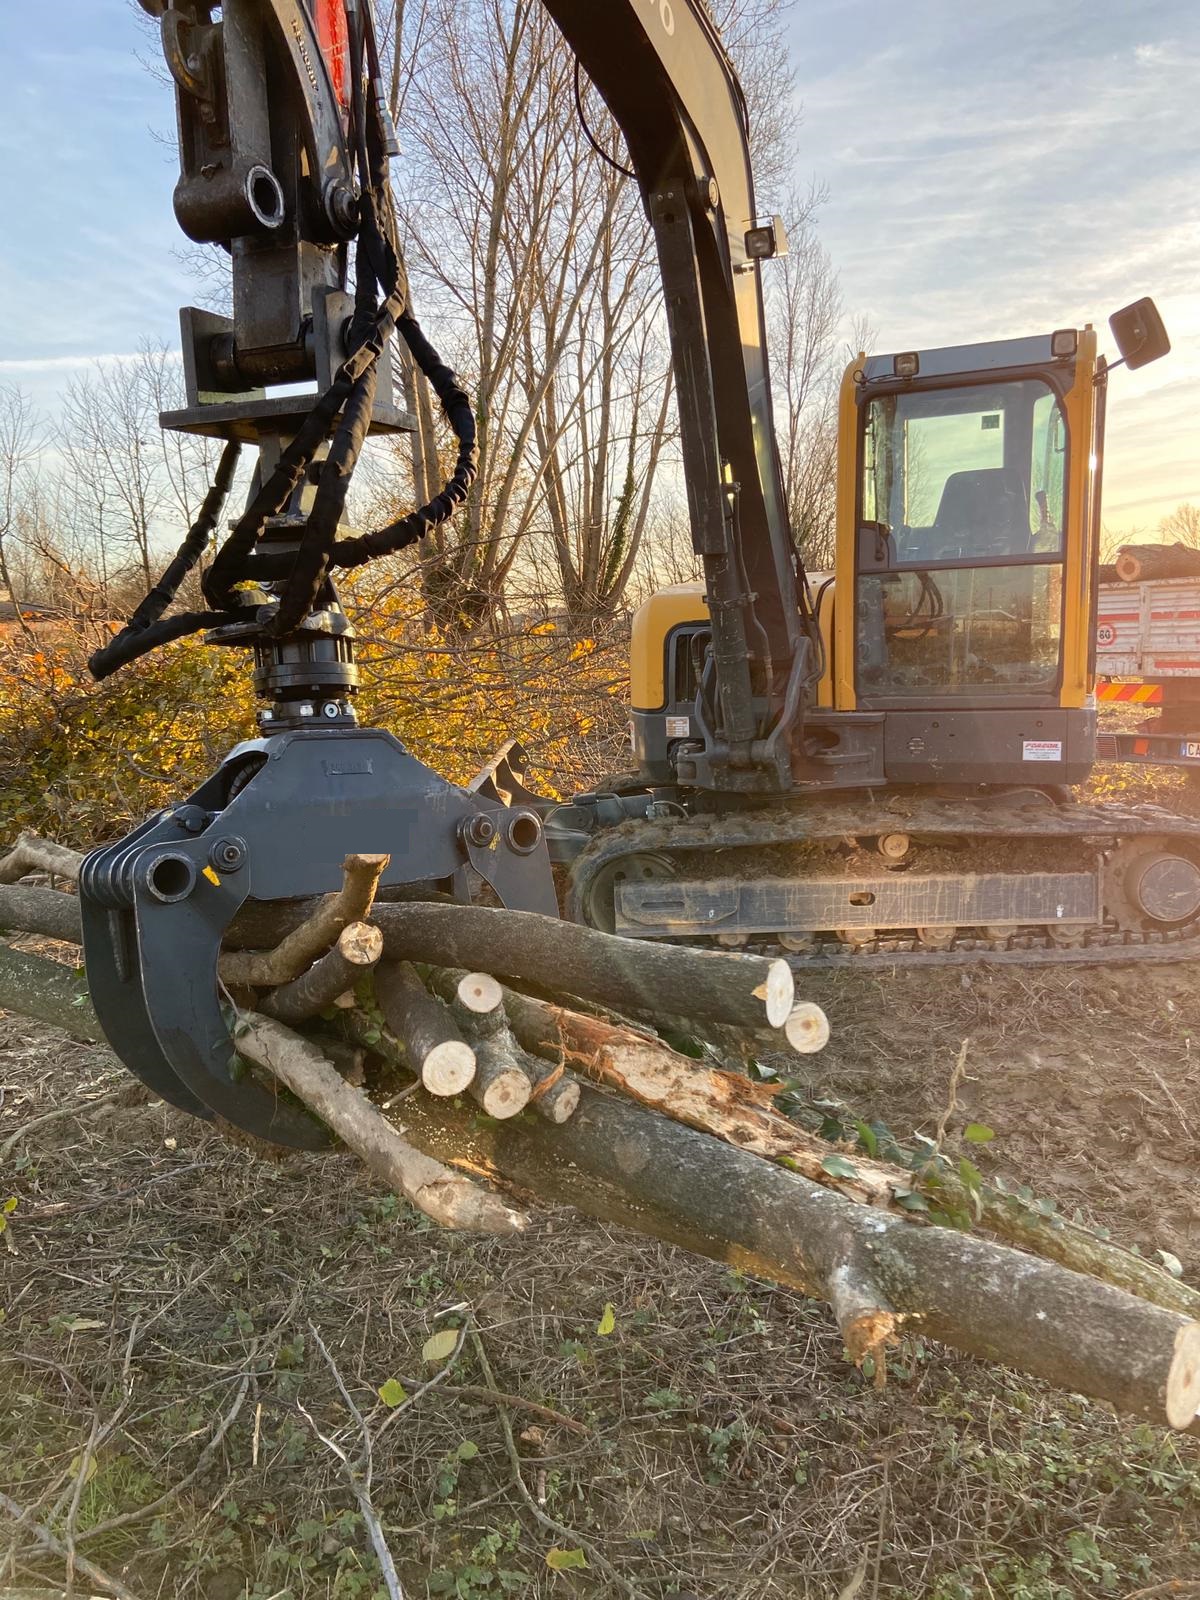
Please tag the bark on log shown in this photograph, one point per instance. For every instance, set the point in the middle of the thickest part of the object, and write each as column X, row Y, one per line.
column 641, row 977
column 53, row 915
column 621, row 1163
column 618, row 1162
column 447, row 1197
column 31, row 986
column 265, row 969
column 31, row 854
column 1136, row 563
column 725, row 1104
column 359, row 946
column 436, row 1050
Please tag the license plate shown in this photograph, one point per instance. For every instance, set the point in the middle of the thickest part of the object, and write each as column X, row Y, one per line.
column 1190, row 750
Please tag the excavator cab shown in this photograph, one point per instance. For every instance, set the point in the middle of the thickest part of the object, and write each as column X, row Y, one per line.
column 966, row 546
column 956, row 628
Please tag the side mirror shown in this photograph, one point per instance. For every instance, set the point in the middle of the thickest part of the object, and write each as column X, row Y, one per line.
column 1140, row 334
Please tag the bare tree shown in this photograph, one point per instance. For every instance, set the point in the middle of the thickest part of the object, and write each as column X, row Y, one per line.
column 1182, row 526
column 538, row 260
column 18, row 451
column 805, row 314
column 139, row 482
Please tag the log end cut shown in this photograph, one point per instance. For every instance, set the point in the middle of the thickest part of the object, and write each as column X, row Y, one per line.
column 479, row 993
column 777, row 991
column 449, row 1068
column 1183, row 1378
column 807, row 1028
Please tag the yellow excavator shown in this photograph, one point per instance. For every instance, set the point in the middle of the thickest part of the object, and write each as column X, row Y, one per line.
column 870, row 765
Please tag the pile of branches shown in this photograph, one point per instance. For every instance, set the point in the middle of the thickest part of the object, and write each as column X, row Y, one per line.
column 469, row 1054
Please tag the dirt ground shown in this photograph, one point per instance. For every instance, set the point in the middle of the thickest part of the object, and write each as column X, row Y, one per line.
column 192, row 1337
column 163, row 1388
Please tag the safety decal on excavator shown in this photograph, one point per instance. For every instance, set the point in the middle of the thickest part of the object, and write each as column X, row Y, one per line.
column 1041, row 750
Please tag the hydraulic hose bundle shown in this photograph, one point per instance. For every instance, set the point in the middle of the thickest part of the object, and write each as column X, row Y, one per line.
column 341, row 415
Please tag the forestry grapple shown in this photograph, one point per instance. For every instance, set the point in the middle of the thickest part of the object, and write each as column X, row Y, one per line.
column 876, row 767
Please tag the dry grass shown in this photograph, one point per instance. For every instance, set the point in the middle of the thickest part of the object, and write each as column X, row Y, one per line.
column 164, row 1292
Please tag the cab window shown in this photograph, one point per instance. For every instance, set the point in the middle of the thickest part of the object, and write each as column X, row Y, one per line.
column 959, row 475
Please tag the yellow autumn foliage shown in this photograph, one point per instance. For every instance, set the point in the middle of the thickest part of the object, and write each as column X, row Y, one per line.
column 83, row 762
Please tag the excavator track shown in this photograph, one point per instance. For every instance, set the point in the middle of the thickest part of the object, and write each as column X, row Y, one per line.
column 707, row 847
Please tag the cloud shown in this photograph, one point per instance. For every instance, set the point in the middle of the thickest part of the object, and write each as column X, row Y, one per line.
column 1001, row 172
column 39, row 364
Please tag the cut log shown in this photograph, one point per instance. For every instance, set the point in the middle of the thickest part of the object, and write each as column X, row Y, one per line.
column 640, row 977
column 731, row 1107
column 47, row 912
column 359, row 946
column 265, row 969
column 725, row 1104
column 436, row 1050
column 1136, row 563
column 501, row 1086
column 480, row 1002
column 619, row 1162
column 32, row 854
column 556, row 1094
column 447, row 1197
column 623, row 1164
column 478, row 992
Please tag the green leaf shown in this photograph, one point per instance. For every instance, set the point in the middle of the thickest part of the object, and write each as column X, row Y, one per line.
column 839, row 1167
column 970, row 1175
column 607, row 1322
column 467, row 1450
column 393, row 1392
column 868, row 1138
column 441, row 1346
column 563, row 1560
column 910, row 1200
column 10, row 1205
column 978, row 1133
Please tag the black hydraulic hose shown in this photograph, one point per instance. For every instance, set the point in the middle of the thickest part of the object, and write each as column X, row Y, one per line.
column 344, row 411
column 141, row 626
column 127, row 646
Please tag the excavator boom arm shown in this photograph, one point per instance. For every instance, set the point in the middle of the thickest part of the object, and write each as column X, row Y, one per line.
column 665, row 76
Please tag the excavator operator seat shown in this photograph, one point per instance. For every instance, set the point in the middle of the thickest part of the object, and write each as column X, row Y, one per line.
column 984, row 511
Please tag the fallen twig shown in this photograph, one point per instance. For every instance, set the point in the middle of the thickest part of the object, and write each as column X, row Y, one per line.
column 448, row 1197
column 49, row 1541
column 559, row 1529
column 358, row 1476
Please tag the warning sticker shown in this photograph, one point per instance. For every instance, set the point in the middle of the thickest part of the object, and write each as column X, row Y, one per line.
column 678, row 727
column 1041, row 750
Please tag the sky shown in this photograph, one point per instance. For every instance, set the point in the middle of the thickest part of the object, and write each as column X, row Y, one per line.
column 1000, row 170
column 994, row 170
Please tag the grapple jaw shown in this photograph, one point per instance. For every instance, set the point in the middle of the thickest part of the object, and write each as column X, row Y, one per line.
column 274, row 822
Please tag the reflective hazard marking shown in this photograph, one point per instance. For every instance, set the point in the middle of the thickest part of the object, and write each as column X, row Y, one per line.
column 1041, row 750
column 1142, row 694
